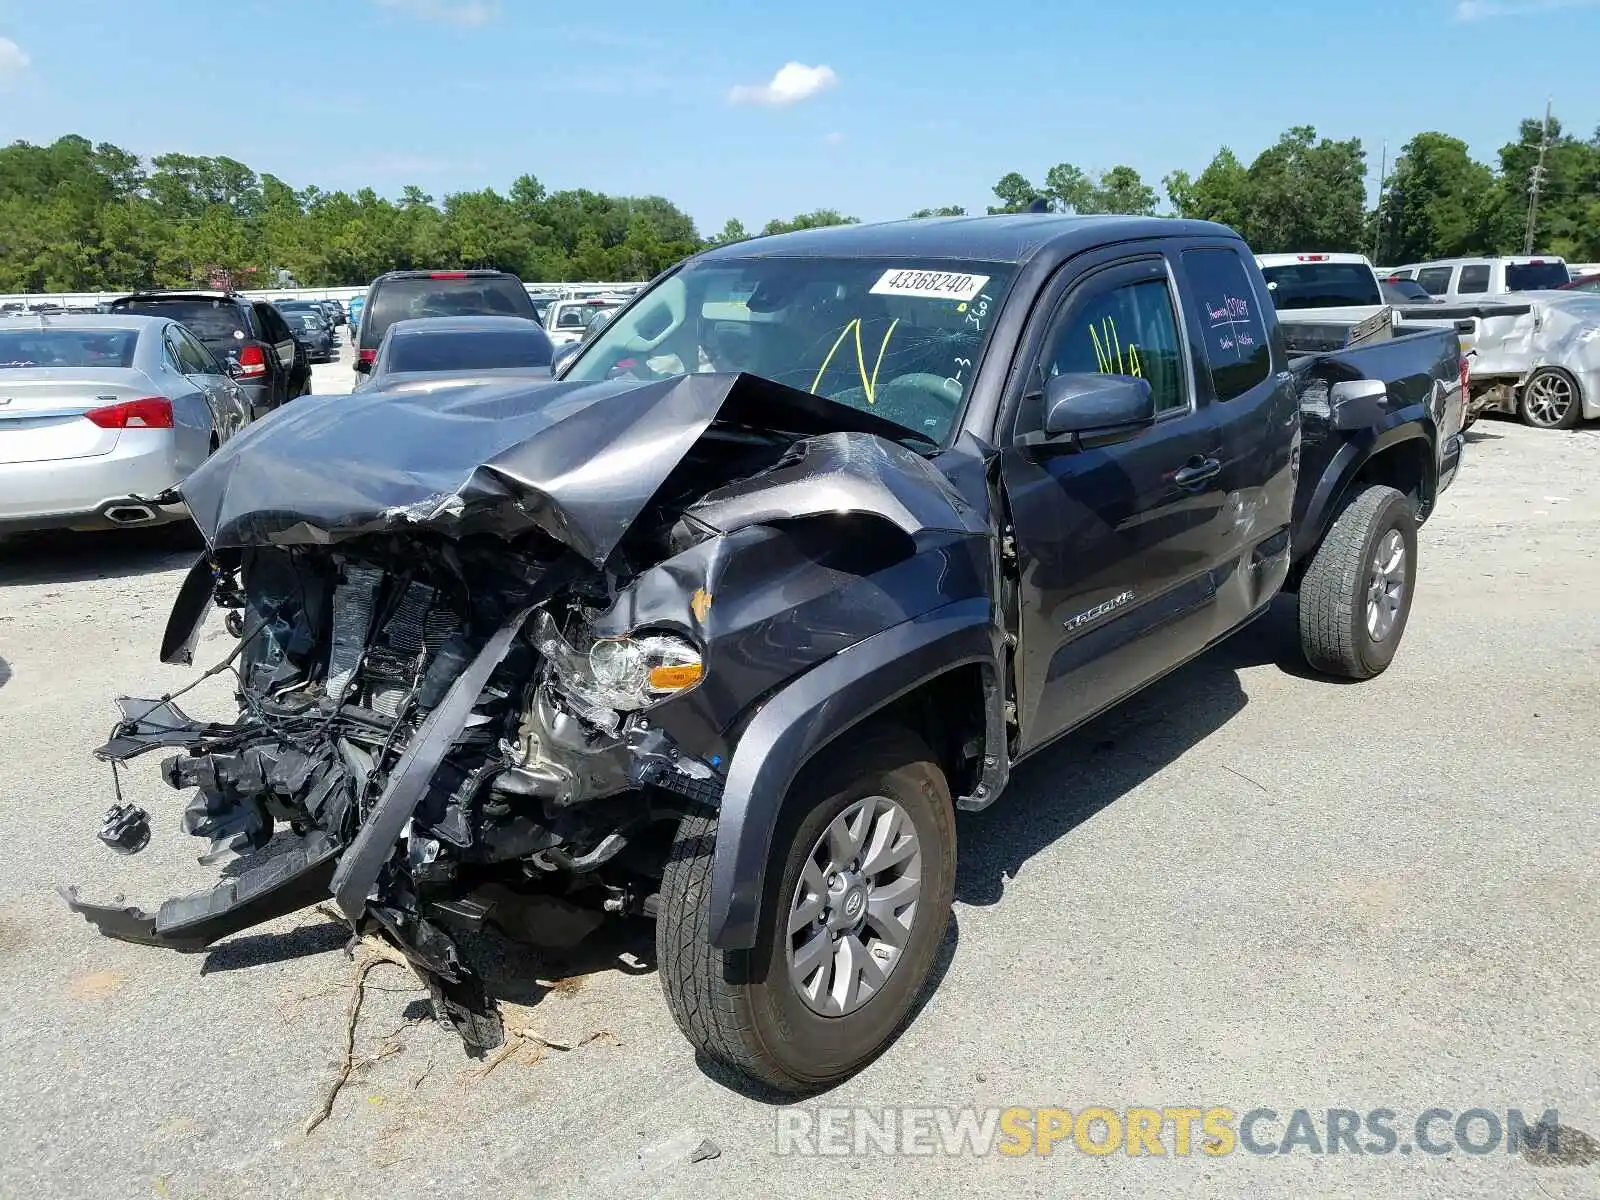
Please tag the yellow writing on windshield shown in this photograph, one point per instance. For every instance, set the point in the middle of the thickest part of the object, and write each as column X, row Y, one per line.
column 869, row 384
column 1108, row 351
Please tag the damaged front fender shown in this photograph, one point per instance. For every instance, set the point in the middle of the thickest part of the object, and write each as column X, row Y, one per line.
column 808, row 714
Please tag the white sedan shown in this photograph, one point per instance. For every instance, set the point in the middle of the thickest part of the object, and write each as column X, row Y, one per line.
column 102, row 415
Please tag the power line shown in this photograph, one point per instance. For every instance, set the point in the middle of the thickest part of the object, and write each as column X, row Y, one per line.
column 1537, row 181
column 1377, row 220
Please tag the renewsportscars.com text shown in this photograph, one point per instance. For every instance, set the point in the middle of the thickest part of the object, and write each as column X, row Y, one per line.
column 1168, row 1131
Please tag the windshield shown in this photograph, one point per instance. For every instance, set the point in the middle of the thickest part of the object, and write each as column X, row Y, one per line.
column 208, row 320
column 894, row 337
column 1536, row 276
column 67, row 347
column 442, row 296
column 488, row 350
column 1322, row 285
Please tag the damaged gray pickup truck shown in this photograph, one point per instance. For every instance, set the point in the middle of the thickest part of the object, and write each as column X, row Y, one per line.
column 799, row 555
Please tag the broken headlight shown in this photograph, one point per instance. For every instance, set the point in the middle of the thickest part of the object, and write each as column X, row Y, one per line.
column 622, row 674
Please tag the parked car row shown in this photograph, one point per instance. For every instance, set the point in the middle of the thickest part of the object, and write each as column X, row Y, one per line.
column 314, row 325
column 1520, row 320
column 412, row 331
column 1470, row 278
column 102, row 416
column 1528, row 320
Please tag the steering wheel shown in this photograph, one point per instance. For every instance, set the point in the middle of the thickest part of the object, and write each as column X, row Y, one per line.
column 920, row 401
column 939, row 388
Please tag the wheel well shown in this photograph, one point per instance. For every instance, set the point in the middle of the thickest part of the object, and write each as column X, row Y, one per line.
column 947, row 712
column 1407, row 467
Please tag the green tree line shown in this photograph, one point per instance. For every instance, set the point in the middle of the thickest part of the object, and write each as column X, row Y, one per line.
column 80, row 216
column 1310, row 193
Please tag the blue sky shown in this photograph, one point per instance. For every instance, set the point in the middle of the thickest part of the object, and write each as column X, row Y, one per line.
column 921, row 103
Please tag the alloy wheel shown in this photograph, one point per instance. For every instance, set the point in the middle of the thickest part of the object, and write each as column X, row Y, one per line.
column 854, row 906
column 1386, row 589
column 1548, row 399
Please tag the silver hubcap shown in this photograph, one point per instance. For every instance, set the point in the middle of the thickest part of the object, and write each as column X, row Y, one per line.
column 1548, row 399
column 1387, row 590
column 854, row 906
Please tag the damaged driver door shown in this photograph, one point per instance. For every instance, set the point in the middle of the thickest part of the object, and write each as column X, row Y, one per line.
column 1109, row 526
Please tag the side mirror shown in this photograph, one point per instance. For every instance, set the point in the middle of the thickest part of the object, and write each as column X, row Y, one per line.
column 234, row 370
column 1358, row 403
column 1094, row 408
column 562, row 356
column 363, row 367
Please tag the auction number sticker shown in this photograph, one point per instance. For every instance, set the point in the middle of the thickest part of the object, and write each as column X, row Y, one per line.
column 930, row 285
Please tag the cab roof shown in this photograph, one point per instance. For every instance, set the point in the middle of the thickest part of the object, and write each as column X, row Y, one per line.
column 1010, row 238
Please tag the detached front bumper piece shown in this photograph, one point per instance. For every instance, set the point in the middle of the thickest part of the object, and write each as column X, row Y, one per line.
column 284, row 884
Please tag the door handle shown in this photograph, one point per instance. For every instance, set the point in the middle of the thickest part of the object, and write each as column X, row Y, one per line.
column 1196, row 470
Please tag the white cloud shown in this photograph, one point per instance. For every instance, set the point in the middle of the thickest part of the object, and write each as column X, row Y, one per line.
column 1483, row 10
column 793, row 82
column 468, row 13
column 835, row 138
column 13, row 62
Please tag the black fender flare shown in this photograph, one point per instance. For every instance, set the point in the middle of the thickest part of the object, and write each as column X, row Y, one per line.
column 808, row 713
column 1408, row 425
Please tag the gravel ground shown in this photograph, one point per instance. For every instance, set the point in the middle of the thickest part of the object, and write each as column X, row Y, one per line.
column 1246, row 888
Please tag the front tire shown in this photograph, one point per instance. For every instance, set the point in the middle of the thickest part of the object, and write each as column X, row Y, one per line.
column 864, row 861
column 1355, row 596
column 1550, row 400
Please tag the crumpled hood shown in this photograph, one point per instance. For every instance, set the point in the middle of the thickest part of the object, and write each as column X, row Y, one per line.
column 580, row 461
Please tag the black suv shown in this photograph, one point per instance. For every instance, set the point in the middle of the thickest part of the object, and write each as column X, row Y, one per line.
column 249, row 336
column 402, row 295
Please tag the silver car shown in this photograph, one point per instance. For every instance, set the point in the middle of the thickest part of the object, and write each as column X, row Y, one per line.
column 424, row 354
column 100, row 415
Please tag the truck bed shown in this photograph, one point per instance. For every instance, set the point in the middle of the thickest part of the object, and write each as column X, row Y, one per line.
column 1421, row 372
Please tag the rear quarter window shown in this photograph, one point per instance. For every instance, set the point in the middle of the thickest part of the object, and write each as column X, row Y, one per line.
column 1474, row 279
column 1235, row 336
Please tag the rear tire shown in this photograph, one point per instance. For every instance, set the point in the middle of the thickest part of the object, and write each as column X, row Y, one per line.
column 742, row 1009
column 1356, row 594
column 1551, row 400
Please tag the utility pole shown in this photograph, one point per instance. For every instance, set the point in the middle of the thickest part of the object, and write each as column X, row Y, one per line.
column 1377, row 221
column 1537, row 181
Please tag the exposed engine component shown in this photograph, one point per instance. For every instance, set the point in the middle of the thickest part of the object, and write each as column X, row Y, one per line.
column 126, row 829
column 468, row 689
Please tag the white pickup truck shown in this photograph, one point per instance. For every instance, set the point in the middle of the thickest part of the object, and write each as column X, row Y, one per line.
column 568, row 320
column 1322, row 287
column 1535, row 355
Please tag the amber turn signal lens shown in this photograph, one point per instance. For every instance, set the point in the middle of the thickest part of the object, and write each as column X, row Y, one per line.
column 676, row 677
